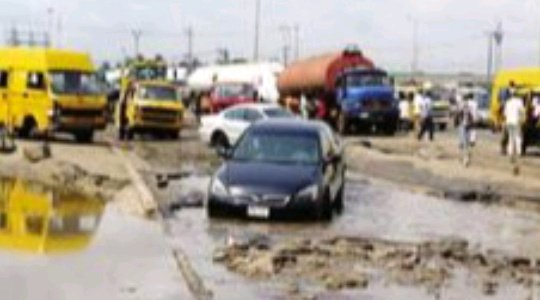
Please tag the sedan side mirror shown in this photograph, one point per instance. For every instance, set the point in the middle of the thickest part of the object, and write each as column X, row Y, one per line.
column 224, row 152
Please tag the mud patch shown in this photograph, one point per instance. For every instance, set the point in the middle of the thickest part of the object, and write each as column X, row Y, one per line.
column 66, row 176
column 353, row 262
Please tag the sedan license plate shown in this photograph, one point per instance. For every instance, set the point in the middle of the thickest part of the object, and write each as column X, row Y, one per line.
column 364, row 115
column 258, row 212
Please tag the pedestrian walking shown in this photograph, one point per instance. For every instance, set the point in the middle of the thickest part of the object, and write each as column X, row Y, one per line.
column 514, row 111
column 405, row 118
column 423, row 103
column 198, row 106
column 505, row 96
column 465, row 121
column 304, row 109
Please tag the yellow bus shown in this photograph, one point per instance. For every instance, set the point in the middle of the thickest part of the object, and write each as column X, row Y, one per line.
column 37, row 220
column 46, row 90
column 523, row 79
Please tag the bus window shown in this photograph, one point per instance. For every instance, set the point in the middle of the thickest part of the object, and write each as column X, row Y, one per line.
column 35, row 80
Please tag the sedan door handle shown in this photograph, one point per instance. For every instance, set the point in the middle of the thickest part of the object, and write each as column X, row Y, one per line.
column 25, row 95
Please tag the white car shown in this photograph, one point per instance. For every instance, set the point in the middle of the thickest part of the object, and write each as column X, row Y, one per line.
column 225, row 128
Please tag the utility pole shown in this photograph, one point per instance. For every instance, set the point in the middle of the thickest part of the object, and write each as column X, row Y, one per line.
column 286, row 35
column 489, row 65
column 414, row 63
column 257, row 29
column 296, row 41
column 498, row 35
column 50, row 25
column 136, row 34
column 189, row 35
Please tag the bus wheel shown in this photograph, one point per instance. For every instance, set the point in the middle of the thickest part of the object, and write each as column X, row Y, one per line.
column 84, row 136
column 28, row 129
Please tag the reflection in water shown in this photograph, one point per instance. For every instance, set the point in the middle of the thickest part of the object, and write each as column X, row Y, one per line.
column 40, row 220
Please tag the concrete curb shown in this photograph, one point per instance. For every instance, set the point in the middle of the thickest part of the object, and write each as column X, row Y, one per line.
column 149, row 205
column 147, row 201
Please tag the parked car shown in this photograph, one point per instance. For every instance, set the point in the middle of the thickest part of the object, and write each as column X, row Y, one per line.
column 278, row 169
column 226, row 127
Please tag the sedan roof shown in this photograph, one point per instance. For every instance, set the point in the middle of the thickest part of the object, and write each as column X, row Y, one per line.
column 288, row 125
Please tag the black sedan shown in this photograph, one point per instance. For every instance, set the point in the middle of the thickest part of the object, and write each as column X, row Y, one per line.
column 280, row 168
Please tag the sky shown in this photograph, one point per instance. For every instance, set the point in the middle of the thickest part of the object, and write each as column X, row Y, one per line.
column 452, row 34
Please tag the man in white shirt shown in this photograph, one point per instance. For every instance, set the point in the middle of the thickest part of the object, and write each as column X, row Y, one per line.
column 514, row 112
column 423, row 104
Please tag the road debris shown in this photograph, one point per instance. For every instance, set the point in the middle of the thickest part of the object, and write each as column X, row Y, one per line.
column 352, row 262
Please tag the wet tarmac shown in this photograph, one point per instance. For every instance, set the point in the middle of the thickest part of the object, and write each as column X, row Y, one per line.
column 375, row 212
column 61, row 245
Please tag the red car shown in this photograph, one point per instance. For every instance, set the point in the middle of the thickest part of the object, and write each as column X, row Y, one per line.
column 224, row 95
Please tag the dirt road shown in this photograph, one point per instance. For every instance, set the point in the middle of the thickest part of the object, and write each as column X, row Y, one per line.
column 394, row 239
column 399, row 235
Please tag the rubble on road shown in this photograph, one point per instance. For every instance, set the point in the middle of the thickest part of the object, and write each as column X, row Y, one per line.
column 36, row 153
column 352, row 262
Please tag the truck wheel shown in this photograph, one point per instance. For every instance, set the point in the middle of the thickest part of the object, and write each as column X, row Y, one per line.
column 84, row 136
column 343, row 124
column 130, row 134
column 174, row 135
column 390, row 129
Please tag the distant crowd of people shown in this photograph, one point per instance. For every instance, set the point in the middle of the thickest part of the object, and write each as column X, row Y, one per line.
column 519, row 112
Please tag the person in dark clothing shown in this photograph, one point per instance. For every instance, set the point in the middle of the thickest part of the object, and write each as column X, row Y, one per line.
column 197, row 106
column 123, row 121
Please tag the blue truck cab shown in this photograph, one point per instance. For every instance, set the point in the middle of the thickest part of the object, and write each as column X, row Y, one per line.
column 366, row 98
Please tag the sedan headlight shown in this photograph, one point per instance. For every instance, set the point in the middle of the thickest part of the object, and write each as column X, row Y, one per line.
column 217, row 188
column 311, row 192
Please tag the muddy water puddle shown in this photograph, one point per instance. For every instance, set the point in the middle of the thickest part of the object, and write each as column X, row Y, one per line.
column 387, row 244
column 57, row 244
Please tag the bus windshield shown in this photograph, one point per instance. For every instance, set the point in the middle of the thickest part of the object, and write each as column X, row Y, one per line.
column 74, row 82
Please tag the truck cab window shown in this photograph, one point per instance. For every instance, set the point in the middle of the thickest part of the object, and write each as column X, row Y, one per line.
column 4, row 79
column 36, row 81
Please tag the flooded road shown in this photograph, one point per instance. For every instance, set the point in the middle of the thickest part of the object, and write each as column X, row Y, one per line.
column 386, row 219
column 61, row 245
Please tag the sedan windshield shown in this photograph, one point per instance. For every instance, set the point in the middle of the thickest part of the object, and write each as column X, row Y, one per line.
column 278, row 148
column 275, row 113
column 74, row 82
column 158, row 93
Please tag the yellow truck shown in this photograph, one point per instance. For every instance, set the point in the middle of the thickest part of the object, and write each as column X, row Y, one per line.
column 149, row 107
column 40, row 221
column 49, row 90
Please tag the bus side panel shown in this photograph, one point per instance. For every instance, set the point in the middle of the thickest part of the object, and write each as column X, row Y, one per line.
column 30, row 103
column 4, row 97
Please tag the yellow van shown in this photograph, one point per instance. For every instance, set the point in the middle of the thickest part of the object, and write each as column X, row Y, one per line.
column 40, row 221
column 150, row 107
column 524, row 78
column 48, row 90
